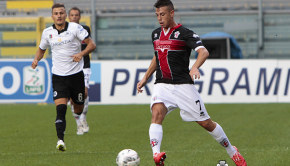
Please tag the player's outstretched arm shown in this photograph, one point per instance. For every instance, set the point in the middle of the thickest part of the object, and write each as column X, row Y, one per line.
column 147, row 75
column 38, row 56
column 202, row 56
column 91, row 46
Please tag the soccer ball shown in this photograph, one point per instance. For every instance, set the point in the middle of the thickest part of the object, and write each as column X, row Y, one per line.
column 128, row 157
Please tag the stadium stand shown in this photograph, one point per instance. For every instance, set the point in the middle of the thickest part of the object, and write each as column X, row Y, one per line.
column 123, row 28
column 11, row 7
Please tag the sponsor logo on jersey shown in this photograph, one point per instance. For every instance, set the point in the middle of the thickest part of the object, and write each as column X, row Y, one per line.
column 163, row 44
column 59, row 43
column 155, row 35
column 163, row 47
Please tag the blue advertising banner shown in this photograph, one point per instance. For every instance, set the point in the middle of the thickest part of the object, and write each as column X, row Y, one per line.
column 95, row 82
column 19, row 83
column 115, row 82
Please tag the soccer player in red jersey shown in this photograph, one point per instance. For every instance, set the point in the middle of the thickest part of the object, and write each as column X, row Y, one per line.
column 174, row 85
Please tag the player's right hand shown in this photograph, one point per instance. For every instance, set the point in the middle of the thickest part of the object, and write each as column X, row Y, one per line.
column 139, row 86
column 34, row 64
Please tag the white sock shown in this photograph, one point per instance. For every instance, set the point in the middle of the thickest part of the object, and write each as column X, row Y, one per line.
column 77, row 118
column 72, row 107
column 85, row 110
column 219, row 135
column 155, row 134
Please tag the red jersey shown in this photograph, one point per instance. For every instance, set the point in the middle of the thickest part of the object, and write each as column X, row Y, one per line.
column 172, row 50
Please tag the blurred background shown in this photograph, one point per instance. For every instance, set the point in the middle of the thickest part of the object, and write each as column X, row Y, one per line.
column 248, row 29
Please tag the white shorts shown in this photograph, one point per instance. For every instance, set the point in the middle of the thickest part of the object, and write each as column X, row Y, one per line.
column 87, row 74
column 182, row 96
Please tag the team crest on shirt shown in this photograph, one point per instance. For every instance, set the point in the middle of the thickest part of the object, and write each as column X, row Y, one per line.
column 59, row 39
column 50, row 36
column 54, row 93
column 176, row 34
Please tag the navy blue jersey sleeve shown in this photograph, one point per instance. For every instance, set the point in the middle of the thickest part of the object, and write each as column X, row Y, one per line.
column 192, row 40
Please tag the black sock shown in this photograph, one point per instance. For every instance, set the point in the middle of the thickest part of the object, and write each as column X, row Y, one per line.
column 60, row 123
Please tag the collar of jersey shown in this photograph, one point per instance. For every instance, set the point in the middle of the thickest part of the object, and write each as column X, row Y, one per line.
column 63, row 30
column 173, row 28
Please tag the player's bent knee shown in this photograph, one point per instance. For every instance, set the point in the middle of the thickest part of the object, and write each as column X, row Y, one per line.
column 78, row 109
column 157, row 117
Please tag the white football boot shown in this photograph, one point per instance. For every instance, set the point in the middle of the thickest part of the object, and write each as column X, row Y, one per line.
column 85, row 125
column 80, row 130
column 60, row 145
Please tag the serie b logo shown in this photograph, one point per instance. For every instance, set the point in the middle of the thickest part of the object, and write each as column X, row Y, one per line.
column 33, row 80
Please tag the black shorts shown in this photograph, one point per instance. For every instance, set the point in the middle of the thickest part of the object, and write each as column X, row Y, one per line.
column 72, row 86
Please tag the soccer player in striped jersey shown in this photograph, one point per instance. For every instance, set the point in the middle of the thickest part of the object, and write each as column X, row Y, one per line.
column 174, row 85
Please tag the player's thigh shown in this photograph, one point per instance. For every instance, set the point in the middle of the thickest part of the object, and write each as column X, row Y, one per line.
column 60, row 87
column 191, row 104
column 77, row 88
column 163, row 93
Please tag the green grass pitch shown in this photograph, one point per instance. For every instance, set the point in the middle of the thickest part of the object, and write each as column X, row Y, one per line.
column 28, row 136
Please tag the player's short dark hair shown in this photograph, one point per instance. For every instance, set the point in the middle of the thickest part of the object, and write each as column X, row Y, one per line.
column 75, row 8
column 57, row 5
column 162, row 3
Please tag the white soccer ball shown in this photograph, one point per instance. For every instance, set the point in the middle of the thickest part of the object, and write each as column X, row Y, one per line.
column 128, row 157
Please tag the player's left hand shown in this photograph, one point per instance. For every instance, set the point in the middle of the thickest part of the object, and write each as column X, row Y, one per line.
column 77, row 57
column 194, row 73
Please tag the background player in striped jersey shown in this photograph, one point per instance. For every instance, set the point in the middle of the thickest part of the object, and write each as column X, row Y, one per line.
column 64, row 40
column 82, row 124
column 174, row 85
